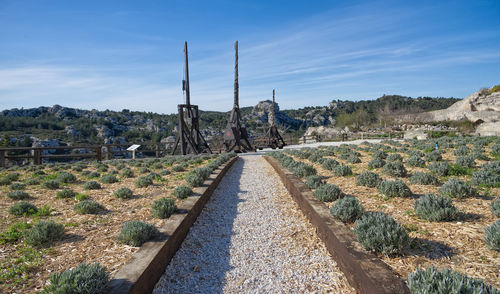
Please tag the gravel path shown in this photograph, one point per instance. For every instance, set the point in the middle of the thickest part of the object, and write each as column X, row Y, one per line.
column 252, row 238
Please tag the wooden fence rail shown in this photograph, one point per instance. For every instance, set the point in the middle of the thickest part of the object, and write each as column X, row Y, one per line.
column 97, row 152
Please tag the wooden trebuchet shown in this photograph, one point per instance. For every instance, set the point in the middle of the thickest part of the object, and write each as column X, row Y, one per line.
column 189, row 137
column 273, row 137
column 236, row 136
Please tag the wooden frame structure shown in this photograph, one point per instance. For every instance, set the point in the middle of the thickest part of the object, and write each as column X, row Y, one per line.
column 273, row 137
column 236, row 136
column 189, row 137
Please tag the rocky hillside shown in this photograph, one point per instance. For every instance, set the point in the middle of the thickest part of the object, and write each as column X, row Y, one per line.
column 70, row 125
column 481, row 108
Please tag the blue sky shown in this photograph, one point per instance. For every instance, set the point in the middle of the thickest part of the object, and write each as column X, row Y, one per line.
column 129, row 54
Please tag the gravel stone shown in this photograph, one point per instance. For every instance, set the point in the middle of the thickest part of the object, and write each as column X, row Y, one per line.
column 251, row 237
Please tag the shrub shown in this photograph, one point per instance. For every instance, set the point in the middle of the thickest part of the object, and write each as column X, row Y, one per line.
column 88, row 207
column 303, row 170
column 380, row 233
column 144, row 181
column 163, row 208
column 493, row 167
column 65, row 193
column 166, row 172
column 329, row 163
column 195, row 180
column 416, row 153
column 17, row 186
column 435, row 208
column 376, row 163
column 157, row 165
column 394, row 157
column 182, row 192
column 32, row 182
column 431, row 280
column 434, row 155
column 461, row 150
column 4, row 181
column 44, row 233
column 314, row 157
column 480, row 156
column 124, row 193
column 395, row 169
column 368, row 179
column 51, row 184
column 84, row 279
column 492, row 236
column 313, row 182
column 66, row 178
column 39, row 173
column 439, row 169
column 342, row 170
column 77, row 168
column 457, row 189
column 81, row 197
column 396, row 188
column 144, row 170
column 108, row 179
column 495, row 149
column 23, row 208
column 127, row 173
column 94, row 175
column 328, row 193
column 353, row 159
column 495, row 207
column 13, row 176
column 18, row 195
column 91, row 185
column 465, row 161
column 485, row 178
column 415, row 161
column 135, row 233
column 347, row 209
column 457, row 170
column 379, row 154
column 179, row 168
column 423, row 179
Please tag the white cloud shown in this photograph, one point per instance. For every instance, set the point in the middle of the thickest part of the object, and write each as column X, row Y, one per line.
column 352, row 53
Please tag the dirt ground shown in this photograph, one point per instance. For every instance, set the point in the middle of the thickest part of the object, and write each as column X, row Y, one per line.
column 88, row 238
column 457, row 245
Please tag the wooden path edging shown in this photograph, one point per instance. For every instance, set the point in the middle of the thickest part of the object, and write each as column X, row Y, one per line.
column 148, row 264
column 364, row 271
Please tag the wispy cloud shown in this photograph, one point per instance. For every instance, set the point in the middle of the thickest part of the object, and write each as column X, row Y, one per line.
column 359, row 51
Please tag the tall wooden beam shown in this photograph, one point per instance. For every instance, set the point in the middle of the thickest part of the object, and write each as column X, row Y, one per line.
column 236, row 136
column 273, row 137
column 189, row 137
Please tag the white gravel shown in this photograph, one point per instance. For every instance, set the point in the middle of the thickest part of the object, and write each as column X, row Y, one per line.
column 252, row 238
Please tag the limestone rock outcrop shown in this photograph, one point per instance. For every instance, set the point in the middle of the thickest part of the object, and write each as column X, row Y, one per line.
column 482, row 108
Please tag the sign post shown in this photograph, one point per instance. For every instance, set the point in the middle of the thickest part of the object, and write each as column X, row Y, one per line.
column 133, row 148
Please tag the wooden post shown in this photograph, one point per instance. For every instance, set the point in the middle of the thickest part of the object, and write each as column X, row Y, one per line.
column 108, row 153
column 390, row 135
column 99, row 153
column 2, row 158
column 37, row 156
column 157, row 146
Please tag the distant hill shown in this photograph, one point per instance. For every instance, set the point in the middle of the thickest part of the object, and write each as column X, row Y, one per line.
column 92, row 126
